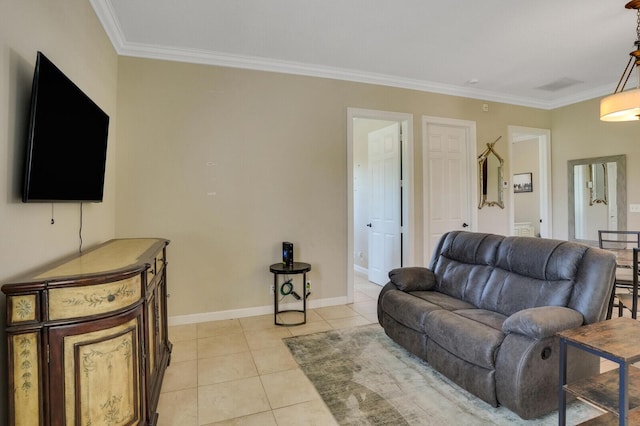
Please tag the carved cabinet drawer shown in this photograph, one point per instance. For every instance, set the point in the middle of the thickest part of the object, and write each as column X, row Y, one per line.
column 77, row 302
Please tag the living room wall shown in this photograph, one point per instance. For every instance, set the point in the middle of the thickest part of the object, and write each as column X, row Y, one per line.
column 228, row 163
column 576, row 132
column 71, row 36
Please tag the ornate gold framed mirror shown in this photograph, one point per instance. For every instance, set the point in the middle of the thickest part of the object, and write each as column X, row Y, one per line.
column 490, row 177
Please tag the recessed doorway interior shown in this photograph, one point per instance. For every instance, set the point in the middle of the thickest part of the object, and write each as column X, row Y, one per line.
column 530, row 155
column 380, row 176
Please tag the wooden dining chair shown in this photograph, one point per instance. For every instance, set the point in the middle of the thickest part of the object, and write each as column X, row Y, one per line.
column 625, row 245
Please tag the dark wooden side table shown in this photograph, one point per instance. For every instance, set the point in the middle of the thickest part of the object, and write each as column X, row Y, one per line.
column 616, row 391
column 297, row 268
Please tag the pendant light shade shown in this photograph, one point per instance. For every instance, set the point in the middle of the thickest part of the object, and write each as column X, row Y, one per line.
column 622, row 106
column 625, row 105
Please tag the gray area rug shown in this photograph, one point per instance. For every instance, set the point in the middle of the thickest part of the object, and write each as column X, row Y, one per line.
column 367, row 379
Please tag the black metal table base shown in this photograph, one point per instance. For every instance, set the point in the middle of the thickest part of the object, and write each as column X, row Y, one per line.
column 281, row 269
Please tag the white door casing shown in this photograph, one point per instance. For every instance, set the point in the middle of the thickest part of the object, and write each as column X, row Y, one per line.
column 384, row 202
column 449, row 179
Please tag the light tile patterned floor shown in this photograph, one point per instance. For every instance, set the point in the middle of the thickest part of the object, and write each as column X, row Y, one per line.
column 239, row 372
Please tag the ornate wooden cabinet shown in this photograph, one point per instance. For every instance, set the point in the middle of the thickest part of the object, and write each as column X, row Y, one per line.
column 87, row 337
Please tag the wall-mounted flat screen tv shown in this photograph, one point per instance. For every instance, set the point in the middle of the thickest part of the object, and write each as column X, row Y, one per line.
column 67, row 140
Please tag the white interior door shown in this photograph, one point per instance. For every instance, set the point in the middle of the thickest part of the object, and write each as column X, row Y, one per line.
column 385, row 224
column 448, row 179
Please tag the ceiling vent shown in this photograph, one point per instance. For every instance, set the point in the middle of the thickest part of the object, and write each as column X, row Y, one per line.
column 559, row 84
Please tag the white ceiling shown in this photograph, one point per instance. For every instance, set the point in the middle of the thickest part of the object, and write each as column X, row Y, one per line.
column 511, row 48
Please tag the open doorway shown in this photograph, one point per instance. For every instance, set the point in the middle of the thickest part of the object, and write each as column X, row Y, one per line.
column 366, row 130
column 530, row 157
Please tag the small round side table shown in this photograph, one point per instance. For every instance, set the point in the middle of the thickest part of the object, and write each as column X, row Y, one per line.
column 296, row 268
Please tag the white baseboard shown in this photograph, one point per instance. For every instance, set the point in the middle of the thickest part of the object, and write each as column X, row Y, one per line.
column 250, row 312
column 361, row 270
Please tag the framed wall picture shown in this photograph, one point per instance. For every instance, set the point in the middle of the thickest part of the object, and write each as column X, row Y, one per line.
column 522, row 183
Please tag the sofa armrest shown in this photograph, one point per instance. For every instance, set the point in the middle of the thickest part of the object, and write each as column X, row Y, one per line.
column 413, row 278
column 542, row 322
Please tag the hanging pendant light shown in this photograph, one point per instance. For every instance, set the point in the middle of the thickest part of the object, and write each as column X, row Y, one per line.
column 625, row 105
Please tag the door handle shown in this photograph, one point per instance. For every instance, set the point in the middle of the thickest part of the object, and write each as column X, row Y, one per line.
column 369, row 225
column 464, row 225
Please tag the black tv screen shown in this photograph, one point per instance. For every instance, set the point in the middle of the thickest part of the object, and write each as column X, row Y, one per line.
column 67, row 140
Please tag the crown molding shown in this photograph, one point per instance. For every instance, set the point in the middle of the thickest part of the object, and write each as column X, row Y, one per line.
column 111, row 25
column 287, row 67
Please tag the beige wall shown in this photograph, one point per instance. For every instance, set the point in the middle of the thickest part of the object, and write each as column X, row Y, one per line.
column 576, row 133
column 70, row 35
column 229, row 163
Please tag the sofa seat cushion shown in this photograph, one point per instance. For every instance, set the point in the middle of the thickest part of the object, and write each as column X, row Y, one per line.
column 464, row 337
column 492, row 319
column 406, row 309
column 444, row 301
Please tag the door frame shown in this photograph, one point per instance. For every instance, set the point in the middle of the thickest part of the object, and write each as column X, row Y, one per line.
column 406, row 123
column 519, row 133
column 472, row 178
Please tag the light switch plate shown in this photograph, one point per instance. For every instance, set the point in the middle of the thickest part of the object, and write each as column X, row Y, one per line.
column 634, row 208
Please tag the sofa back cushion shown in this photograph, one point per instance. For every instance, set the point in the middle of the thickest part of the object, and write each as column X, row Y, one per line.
column 463, row 263
column 532, row 272
column 508, row 274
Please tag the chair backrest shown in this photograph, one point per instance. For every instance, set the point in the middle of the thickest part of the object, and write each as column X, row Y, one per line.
column 622, row 243
column 618, row 240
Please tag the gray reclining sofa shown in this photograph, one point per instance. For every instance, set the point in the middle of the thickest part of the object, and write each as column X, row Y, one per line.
column 486, row 313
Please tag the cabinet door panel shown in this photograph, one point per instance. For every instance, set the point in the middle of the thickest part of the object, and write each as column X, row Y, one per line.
column 24, row 350
column 101, row 372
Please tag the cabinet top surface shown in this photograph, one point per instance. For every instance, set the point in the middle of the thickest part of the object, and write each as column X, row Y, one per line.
column 113, row 255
